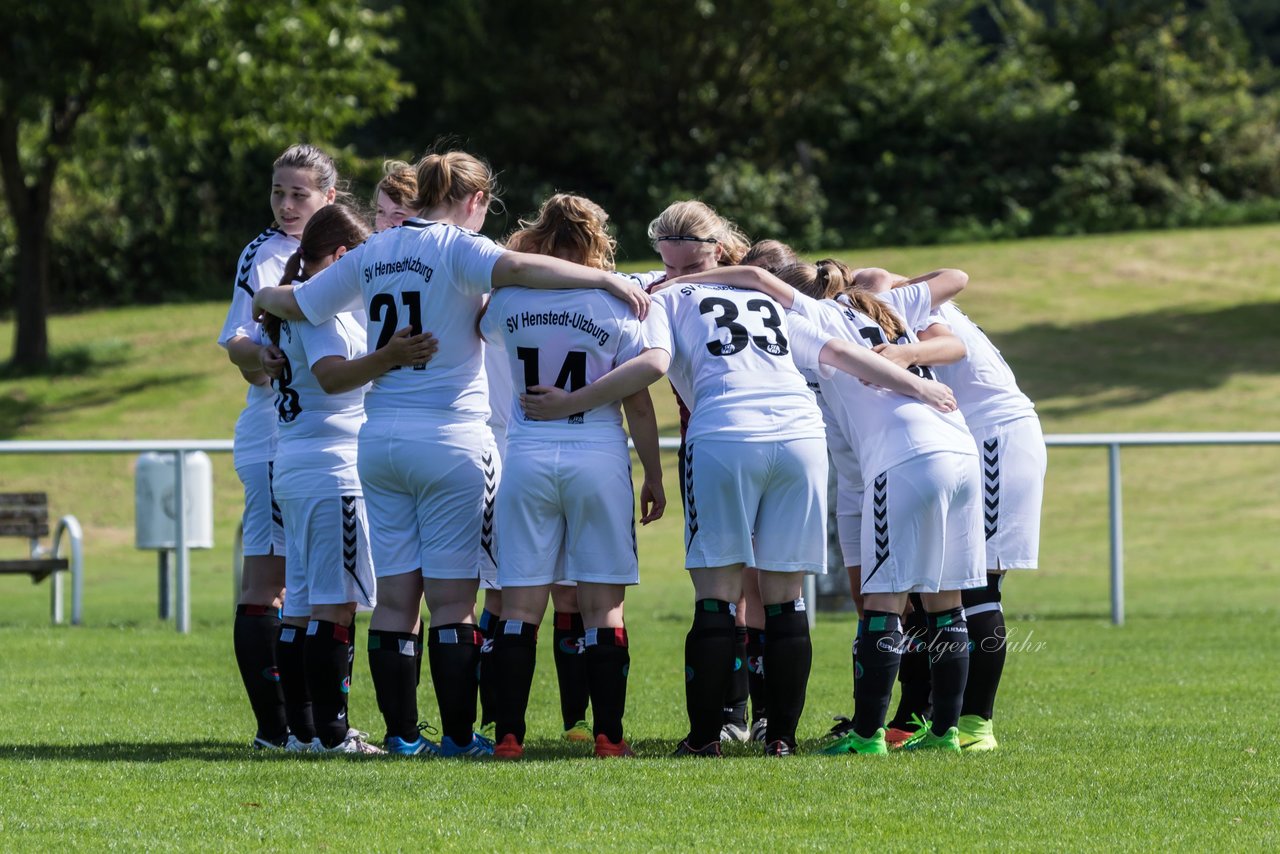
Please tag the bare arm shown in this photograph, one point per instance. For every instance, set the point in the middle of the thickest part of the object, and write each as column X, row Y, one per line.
column 937, row 346
column 751, row 278
column 548, row 403
column 943, row 284
column 278, row 301
column 546, row 272
column 642, row 422
column 860, row 362
column 246, row 355
column 336, row 374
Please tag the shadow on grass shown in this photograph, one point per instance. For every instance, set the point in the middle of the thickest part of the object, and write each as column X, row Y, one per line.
column 1125, row 361
column 19, row 411
column 536, row 750
column 78, row 360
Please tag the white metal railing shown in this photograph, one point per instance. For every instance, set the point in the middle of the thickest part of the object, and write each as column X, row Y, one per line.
column 180, row 447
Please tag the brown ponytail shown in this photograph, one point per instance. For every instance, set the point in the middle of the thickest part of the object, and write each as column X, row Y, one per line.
column 330, row 227
column 451, row 177
column 829, row 279
column 771, row 255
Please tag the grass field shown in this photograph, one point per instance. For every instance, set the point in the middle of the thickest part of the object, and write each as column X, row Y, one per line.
column 121, row 733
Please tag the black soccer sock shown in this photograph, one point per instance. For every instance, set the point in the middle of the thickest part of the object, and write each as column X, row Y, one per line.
column 948, row 666
column 393, row 670
column 987, row 637
column 328, row 666
column 488, row 624
column 735, row 702
column 608, row 660
column 708, row 668
column 515, row 654
column 755, row 673
column 571, row 667
column 454, row 650
column 788, row 659
column 879, row 649
column 291, row 661
column 254, row 636
column 913, row 675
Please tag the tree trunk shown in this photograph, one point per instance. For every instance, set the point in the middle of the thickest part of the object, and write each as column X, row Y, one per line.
column 31, row 338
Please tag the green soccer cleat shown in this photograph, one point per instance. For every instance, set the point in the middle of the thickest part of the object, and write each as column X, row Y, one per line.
column 924, row 739
column 976, row 734
column 851, row 742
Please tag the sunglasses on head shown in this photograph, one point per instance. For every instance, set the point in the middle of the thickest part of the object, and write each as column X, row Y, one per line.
column 686, row 238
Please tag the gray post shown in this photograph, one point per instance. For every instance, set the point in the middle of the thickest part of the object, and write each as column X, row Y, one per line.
column 811, row 598
column 183, row 621
column 1117, row 538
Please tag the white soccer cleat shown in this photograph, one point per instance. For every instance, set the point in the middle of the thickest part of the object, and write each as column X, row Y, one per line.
column 297, row 745
column 354, row 743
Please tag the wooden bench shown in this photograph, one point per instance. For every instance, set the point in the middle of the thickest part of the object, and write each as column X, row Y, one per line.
column 26, row 514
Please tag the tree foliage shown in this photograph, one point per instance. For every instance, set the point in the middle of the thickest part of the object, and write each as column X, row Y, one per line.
column 827, row 122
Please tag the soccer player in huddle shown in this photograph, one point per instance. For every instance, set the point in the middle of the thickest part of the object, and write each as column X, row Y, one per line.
column 565, row 507
column 427, row 461
column 303, row 181
column 320, row 405
column 1011, row 445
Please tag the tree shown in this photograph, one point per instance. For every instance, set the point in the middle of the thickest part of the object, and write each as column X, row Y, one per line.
column 184, row 81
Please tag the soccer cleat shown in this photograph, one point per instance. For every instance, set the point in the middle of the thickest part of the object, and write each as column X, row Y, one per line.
column 895, row 737
column 758, row 729
column 976, row 734
column 478, row 748
column 397, row 746
column 354, row 744
column 924, row 739
column 297, row 745
column 711, row 750
column 843, row 727
column 779, row 748
column 851, row 742
column 581, row 731
column 606, row 748
column 735, row 732
column 260, row 743
column 508, row 748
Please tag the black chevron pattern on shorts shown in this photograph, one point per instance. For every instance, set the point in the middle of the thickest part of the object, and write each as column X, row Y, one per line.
column 349, row 542
column 251, row 252
column 635, row 549
column 277, row 518
column 690, row 506
column 490, row 492
column 991, row 486
column 880, row 521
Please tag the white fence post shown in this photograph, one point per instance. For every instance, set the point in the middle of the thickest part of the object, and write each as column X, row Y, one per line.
column 183, row 570
column 1117, row 536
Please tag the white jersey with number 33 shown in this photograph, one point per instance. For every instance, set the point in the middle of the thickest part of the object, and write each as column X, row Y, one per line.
column 732, row 361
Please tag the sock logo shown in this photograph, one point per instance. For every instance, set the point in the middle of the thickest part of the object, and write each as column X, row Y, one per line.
column 346, row 686
column 688, row 674
column 755, row 664
column 487, row 646
column 271, row 674
column 737, row 664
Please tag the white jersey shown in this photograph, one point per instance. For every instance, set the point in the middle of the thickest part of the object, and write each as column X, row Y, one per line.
column 732, row 353
column 426, row 275
column 261, row 265
column 316, row 454
column 498, row 372
column 568, row 339
column 884, row 427
column 914, row 304
column 985, row 388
